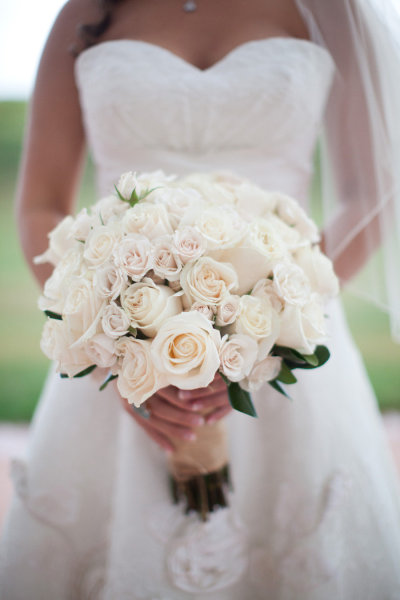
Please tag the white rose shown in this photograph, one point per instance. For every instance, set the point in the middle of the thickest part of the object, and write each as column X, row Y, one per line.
column 133, row 256
column 166, row 262
column 83, row 309
column 148, row 305
column 204, row 309
column 264, row 238
column 189, row 244
column 263, row 371
column 291, row 212
column 82, row 225
column 209, row 187
column 291, row 238
column 60, row 242
column 147, row 219
column 220, row 226
column 227, row 311
column 177, row 201
column 208, row 281
column 302, row 327
column 115, row 321
column 264, row 288
column 56, row 344
column 237, row 354
column 100, row 244
column 137, row 378
column 56, row 286
column 142, row 183
column 185, row 350
column 319, row 270
column 291, row 284
column 108, row 209
column 101, row 350
column 110, row 281
column 258, row 319
column 253, row 200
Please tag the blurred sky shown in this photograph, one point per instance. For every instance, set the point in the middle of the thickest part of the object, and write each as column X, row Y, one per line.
column 24, row 25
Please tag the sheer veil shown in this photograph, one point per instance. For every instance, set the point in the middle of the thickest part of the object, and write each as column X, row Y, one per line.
column 360, row 143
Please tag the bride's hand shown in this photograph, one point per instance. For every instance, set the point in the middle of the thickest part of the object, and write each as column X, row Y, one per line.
column 176, row 413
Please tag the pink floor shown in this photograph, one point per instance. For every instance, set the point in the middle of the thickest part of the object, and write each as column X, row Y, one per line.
column 13, row 442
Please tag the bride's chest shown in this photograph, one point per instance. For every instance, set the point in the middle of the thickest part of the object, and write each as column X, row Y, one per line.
column 263, row 93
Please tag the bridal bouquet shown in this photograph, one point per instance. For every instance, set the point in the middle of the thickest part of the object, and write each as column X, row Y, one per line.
column 172, row 280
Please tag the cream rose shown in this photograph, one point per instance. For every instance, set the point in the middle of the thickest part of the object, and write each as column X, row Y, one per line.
column 291, row 284
column 185, row 350
column 319, row 270
column 263, row 371
column 189, row 244
column 264, row 288
column 137, row 378
column 100, row 244
column 57, row 285
column 148, row 219
column 133, row 256
column 82, row 225
column 228, row 310
column 166, row 262
column 115, row 321
column 208, row 281
column 258, row 319
column 264, row 238
column 148, row 305
column 101, row 350
column 237, row 355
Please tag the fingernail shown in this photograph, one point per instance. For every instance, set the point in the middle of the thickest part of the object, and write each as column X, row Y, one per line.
column 198, row 420
column 212, row 420
column 196, row 406
column 182, row 395
column 189, row 435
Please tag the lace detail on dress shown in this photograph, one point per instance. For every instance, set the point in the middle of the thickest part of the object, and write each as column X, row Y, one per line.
column 307, row 547
column 57, row 507
column 201, row 557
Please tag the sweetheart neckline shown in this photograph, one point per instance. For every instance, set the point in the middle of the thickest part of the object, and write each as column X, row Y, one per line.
column 240, row 47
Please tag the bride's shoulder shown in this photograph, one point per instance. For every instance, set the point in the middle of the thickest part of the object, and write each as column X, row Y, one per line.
column 73, row 15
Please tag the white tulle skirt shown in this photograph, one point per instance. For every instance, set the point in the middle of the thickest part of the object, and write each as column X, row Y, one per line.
column 315, row 512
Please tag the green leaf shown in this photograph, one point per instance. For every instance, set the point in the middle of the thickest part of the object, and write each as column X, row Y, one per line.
column 134, row 199
column 144, row 194
column 311, row 359
column 101, row 219
column 274, row 384
column 105, row 383
column 133, row 330
column 53, row 315
column 285, row 374
column 120, row 196
column 85, row 371
column 323, row 354
column 224, row 377
column 288, row 354
column 80, row 241
column 241, row 400
column 63, row 375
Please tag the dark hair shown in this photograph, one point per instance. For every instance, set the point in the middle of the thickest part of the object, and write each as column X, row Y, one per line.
column 88, row 33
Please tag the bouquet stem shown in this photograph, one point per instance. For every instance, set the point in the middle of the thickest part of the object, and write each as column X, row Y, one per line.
column 199, row 470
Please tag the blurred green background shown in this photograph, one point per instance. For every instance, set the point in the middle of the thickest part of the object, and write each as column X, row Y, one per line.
column 23, row 367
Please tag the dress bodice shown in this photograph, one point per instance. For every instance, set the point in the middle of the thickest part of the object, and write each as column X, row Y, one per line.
column 256, row 112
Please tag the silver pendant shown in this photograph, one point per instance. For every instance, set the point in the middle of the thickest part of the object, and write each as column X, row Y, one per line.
column 189, row 6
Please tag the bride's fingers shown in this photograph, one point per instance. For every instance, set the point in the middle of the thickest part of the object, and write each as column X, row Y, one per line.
column 171, row 430
column 217, row 400
column 160, row 408
column 151, row 431
column 171, row 395
column 214, row 387
column 218, row 414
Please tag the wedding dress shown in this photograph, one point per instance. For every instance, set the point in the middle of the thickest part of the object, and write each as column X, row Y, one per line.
column 315, row 511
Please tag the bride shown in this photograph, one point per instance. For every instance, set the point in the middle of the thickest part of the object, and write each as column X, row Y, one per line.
column 247, row 87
